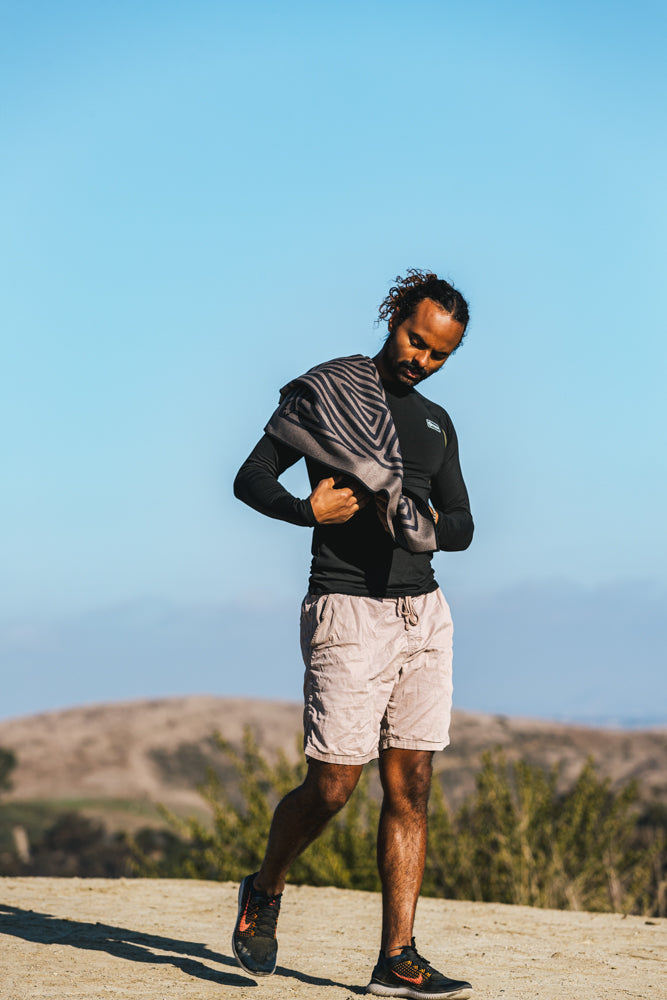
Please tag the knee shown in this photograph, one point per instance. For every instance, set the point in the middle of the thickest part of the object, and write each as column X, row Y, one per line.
column 331, row 788
column 332, row 797
column 418, row 790
column 407, row 789
column 414, row 794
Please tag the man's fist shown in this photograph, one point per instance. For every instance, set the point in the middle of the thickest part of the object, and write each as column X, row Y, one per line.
column 332, row 505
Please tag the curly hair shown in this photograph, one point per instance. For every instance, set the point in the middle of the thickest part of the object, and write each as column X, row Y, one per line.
column 408, row 292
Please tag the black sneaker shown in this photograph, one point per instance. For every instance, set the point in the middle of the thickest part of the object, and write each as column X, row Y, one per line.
column 254, row 938
column 410, row 975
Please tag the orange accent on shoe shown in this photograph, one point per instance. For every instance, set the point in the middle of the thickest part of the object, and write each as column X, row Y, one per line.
column 244, row 924
column 417, row 980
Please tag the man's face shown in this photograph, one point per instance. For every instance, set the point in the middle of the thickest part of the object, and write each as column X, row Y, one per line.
column 420, row 346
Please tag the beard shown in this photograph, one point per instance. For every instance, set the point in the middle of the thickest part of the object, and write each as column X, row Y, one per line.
column 409, row 374
column 398, row 366
column 402, row 372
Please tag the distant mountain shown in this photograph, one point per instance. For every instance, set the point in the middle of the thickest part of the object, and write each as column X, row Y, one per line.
column 158, row 750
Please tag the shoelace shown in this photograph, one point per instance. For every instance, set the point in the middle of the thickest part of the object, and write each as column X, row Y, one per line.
column 421, row 967
column 263, row 913
column 414, row 959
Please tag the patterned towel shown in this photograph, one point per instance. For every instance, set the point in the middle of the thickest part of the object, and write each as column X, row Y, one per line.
column 337, row 414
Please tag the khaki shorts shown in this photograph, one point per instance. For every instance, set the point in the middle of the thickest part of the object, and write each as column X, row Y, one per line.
column 378, row 675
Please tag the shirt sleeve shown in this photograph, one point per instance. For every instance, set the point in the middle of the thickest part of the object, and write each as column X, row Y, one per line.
column 257, row 485
column 449, row 495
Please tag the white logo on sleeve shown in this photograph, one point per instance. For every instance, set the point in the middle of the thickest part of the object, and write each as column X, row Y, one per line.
column 432, row 424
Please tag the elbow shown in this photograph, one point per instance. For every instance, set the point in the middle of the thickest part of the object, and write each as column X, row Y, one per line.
column 467, row 534
column 460, row 538
column 240, row 491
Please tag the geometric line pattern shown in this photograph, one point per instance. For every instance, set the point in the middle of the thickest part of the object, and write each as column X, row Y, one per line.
column 337, row 413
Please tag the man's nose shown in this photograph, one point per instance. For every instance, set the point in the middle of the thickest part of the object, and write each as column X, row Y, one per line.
column 421, row 358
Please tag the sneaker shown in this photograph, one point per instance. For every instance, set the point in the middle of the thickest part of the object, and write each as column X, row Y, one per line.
column 254, row 938
column 410, row 975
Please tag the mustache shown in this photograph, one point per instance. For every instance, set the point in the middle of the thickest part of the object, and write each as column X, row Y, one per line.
column 413, row 369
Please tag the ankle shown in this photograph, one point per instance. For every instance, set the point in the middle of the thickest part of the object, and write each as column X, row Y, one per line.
column 392, row 951
column 267, row 887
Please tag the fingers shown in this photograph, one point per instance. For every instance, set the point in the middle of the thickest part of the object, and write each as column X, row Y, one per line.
column 335, row 504
column 332, row 505
column 359, row 497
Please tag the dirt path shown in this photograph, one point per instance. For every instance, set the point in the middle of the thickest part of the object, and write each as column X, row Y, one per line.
column 157, row 940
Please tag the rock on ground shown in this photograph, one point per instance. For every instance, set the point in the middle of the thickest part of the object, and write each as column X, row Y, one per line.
column 149, row 939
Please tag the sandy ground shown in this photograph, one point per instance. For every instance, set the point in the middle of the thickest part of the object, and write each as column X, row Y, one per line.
column 163, row 939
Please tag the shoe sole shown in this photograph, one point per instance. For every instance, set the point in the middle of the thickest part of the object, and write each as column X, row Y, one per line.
column 239, row 960
column 380, row 990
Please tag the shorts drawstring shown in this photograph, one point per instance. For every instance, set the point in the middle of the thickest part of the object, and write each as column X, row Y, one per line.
column 406, row 608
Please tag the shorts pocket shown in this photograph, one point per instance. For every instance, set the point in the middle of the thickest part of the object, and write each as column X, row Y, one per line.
column 324, row 620
column 316, row 620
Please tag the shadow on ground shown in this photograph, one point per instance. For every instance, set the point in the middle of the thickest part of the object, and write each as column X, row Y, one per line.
column 135, row 946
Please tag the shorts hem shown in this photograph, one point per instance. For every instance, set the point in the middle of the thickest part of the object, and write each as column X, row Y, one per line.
column 392, row 742
column 336, row 758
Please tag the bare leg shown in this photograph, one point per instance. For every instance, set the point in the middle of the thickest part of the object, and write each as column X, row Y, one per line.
column 406, row 782
column 301, row 816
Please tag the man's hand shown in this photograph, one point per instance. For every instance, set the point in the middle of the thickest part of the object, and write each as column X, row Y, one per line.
column 336, row 506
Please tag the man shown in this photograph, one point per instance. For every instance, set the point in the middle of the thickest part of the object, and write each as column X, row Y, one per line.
column 376, row 632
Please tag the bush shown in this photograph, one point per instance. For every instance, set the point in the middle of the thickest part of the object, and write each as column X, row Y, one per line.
column 515, row 840
column 344, row 855
column 7, row 765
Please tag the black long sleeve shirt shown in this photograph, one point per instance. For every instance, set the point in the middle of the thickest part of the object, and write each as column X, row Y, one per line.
column 360, row 557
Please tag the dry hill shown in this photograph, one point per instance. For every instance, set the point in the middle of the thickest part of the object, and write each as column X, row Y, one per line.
column 158, row 750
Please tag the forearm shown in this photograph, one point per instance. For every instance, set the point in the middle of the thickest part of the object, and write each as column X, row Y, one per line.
column 454, row 530
column 455, row 526
column 257, row 485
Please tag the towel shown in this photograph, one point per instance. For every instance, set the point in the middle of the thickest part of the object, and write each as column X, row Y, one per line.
column 337, row 414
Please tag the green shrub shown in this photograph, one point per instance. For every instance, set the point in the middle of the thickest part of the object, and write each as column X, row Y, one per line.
column 515, row 840
column 344, row 855
column 7, row 764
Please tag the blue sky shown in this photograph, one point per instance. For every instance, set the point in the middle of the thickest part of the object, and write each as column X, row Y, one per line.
column 200, row 201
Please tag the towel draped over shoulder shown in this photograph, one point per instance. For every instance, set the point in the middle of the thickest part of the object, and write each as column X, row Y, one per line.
column 337, row 415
